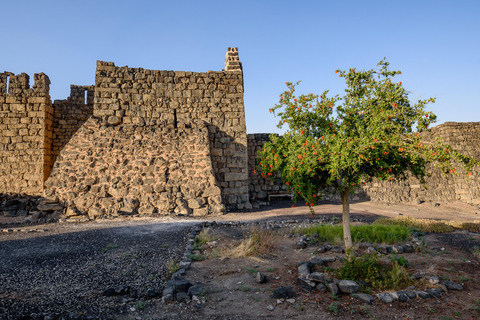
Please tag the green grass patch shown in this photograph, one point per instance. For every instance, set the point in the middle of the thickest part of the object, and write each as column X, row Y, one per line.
column 374, row 233
column 380, row 275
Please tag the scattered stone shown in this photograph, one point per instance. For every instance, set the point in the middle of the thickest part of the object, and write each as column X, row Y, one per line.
column 316, row 276
column 270, row 308
column 306, row 284
column 328, row 259
column 292, row 301
column 385, row 297
column 364, row 297
column 432, row 279
column 423, row 294
column 333, row 288
column 435, row 292
column 304, row 269
column 321, row 288
column 407, row 248
column 348, row 286
column 195, row 290
column 167, row 294
column 261, row 278
column 182, row 297
column 283, row 293
column 452, row 285
column 317, row 261
column 382, row 249
column 153, row 293
column 338, row 250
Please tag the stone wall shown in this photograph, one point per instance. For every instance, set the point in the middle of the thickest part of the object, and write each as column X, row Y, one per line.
column 26, row 118
column 171, row 99
column 129, row 169
column 259, row 187
column 70, row 114
column 464, row 137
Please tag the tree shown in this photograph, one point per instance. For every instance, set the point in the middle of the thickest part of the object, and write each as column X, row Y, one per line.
column 335, row 144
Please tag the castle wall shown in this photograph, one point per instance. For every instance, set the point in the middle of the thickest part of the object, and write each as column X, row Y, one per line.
column 129, row 169
column 26, row 119
column 69, row 115
column 152, row 98
column 463, row 137
column 259, row 187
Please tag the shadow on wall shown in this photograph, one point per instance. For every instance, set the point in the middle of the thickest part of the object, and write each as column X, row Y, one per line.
column 69, row 115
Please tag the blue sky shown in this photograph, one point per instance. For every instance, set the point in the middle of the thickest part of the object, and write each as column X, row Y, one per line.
column 436, row 44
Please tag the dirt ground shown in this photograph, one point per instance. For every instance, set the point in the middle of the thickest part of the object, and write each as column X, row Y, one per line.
column 232, row 293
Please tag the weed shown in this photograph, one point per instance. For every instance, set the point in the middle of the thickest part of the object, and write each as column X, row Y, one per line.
column 244, row 288
column 172, row 267
column 333, row 307
column 476, row 306
column 429, row 225
column 400, row 260
column 165, row 245
column 203, row 237
column 463, row 279
column 271, row 269
column 298, row 307
column 476, row 251
column 432, row 310
column 215, row 253
column 140, row 305
column 252, row 271
column 445, row 318
column 256, row 298
column 197, row 257
column 370, row 269
column 94, row 264
column 109, row 247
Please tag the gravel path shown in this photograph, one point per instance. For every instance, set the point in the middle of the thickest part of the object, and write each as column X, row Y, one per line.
column 63, row 275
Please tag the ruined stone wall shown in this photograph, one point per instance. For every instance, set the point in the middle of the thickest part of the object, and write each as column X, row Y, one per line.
column 259, row 187
column 26, row 119
column 171, row 99
column 69, row 115
column 465, row 138
column 130, row 169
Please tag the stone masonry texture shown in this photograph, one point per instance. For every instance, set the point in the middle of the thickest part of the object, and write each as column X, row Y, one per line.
column 147, row 142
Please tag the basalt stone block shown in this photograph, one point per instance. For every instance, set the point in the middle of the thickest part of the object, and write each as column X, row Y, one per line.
column 261, row 278
column 306, row 284
column 452, row 285
column 283, row 293
column 348, row 286
column 333, row 288
column 385, row 297
column 317, row 261
column 366, row 298
column 316, row 276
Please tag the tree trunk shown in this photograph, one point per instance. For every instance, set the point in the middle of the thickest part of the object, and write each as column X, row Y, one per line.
column 347, row 235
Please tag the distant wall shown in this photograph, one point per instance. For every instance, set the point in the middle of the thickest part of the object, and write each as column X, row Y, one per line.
column 259, row 187
column 69, row 115
column 26, row 119
column 465, row 138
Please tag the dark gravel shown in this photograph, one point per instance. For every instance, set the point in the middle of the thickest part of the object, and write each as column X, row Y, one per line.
column 63, row 276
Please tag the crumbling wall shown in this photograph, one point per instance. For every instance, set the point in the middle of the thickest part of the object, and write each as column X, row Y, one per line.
column 153, row 98
column 130, row 169
column 26, row 118
column 69, row 115
column 463, row 137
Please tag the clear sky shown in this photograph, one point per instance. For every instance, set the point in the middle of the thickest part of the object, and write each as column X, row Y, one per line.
column 436, row 44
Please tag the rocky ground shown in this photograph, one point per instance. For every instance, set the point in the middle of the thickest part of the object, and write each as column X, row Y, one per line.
column 62, row 271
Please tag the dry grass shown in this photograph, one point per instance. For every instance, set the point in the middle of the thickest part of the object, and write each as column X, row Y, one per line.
column 257, row 242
